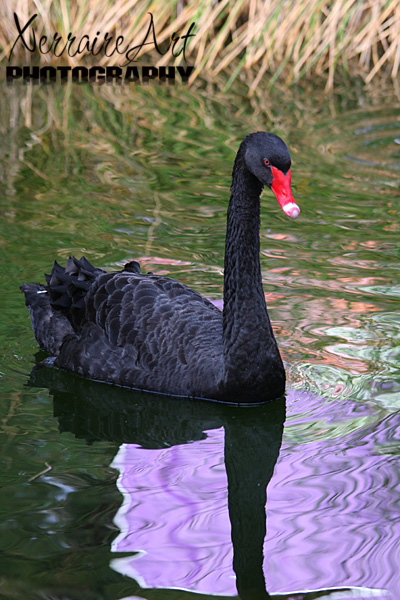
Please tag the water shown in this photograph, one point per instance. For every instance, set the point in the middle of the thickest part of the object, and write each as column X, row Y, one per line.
column 110, row 494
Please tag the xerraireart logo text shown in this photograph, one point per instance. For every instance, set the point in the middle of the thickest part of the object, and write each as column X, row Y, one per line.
column 102, row 44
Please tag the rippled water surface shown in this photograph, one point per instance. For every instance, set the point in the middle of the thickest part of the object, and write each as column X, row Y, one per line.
column 110, row 494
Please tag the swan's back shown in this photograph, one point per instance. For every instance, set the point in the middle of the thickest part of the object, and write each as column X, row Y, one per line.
column 140, row 331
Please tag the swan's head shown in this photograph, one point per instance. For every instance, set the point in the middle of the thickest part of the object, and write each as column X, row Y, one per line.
column 268, row 158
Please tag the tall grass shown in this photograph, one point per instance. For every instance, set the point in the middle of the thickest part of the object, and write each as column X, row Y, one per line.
column 262, row 38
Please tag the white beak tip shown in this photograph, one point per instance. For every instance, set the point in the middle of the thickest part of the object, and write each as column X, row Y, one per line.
column 292, row 210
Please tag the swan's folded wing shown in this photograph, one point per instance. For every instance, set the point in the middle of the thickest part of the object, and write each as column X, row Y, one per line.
column 148, row 332
column 159, row 311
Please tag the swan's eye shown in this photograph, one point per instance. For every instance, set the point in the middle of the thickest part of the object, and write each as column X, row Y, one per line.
column 266, row 162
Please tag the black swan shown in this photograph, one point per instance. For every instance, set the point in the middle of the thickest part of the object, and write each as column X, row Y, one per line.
column 152, row 333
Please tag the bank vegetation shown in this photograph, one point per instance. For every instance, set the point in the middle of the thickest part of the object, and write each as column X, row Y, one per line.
column 253, row 39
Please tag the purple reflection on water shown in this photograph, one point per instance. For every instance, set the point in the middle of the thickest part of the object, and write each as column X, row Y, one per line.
column 334, row 510
column 332, row 507
column 175, row 510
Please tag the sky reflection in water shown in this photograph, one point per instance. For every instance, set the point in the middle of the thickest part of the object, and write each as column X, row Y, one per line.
column 330, row 516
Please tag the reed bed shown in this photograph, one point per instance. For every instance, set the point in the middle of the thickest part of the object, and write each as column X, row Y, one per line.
column 254, row 39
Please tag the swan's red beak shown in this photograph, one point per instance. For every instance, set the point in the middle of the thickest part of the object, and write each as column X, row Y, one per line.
column 283, row 192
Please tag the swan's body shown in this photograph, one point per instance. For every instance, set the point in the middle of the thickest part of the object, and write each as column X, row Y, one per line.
column 153, row 333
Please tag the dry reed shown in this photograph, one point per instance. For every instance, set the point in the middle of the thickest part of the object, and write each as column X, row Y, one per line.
column 264, row 38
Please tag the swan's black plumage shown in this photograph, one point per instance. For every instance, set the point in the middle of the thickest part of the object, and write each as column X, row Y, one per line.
column 150, row 332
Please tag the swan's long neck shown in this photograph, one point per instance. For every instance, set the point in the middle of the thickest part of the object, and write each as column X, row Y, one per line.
column 251, row 355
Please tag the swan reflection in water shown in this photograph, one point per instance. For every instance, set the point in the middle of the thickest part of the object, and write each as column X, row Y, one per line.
column 179, row 529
